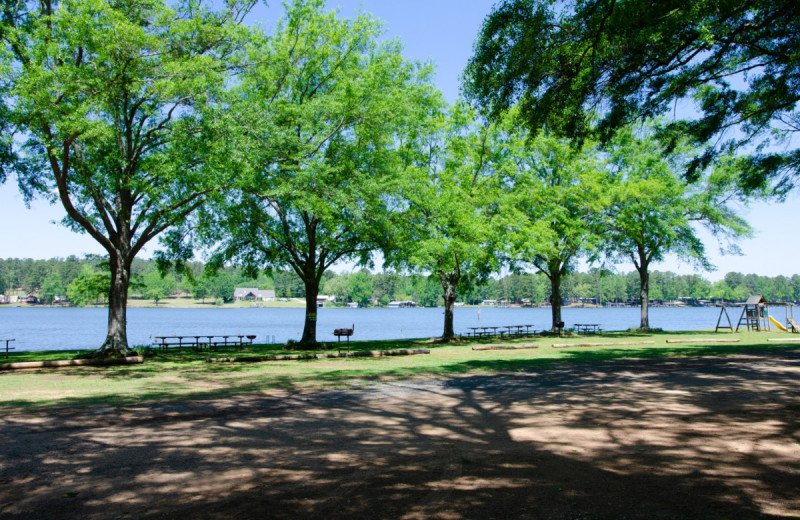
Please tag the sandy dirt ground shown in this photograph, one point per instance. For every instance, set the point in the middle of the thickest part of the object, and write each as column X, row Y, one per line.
column 695, row 438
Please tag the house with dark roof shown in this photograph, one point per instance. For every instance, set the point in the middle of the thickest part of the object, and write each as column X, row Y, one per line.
column 254, row 295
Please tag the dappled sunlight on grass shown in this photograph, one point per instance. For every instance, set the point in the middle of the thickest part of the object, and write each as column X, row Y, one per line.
column 186, row 374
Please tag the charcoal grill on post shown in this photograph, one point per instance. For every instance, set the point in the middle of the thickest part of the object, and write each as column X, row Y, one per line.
column 344, row 332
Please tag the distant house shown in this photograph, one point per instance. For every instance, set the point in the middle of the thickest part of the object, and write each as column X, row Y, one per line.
column 322, row 299
column 253, row 295
column 401, row 304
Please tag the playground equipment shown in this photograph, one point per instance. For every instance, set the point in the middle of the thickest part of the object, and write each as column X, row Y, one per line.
column 756, row 316
column 793, row 324
column 777, row 324
column 788, row 325
column 723, row 311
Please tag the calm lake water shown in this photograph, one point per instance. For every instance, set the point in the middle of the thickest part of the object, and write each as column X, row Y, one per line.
column 71, row 328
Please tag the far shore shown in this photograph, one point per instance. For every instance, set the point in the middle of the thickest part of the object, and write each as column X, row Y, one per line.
column 183, row 302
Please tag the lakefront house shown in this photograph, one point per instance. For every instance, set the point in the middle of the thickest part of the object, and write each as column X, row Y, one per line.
column 254, row 295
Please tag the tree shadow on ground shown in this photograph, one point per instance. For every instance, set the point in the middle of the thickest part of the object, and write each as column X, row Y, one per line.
column 689, row 438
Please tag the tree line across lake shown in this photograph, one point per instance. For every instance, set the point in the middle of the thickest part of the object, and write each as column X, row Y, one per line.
column 85, row 281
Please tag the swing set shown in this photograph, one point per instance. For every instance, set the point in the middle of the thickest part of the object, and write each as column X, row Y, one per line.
column 755, row 316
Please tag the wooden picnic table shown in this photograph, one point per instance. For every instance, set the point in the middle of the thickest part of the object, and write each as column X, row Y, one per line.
column 587, row 327
column 517, row 329
column 484, row 331
column 7, row 342
column 203, row 340
column 164, row 342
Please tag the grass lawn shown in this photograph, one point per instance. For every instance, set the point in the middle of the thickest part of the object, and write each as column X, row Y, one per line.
column 185, row 374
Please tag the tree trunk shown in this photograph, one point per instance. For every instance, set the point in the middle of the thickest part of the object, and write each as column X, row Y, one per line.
column 449, row 284
column 555, row 298
column 644, row 294
column 310, row 327
column 116, row 342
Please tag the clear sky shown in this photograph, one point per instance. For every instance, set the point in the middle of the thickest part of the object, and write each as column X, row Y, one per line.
column 442, row 32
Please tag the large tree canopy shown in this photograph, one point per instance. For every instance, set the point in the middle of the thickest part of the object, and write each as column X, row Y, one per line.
column 653, row 211
column 117, row 104
column 449, row 192
column 567, row 63
column 322, row 115
column 554, row 203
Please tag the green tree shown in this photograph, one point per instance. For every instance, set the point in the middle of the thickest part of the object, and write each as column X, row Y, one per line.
column 795, row 287
column 654, row 211
column 69, row 269
column 782, row 289
column 287, row 284
column 222, row 286
column 385, row 286
column 202, row 288
column 35, row 275
column 5, row 276
column 555, row 202
column 117, row 101
column 698, row 288
column 158, row 286
column 425, row 290
column 539, row 288
column 324, row 112
column 89, row 286
column 447, row 192
column 361, row 284
column 584, row 290
column 737, row 61
column 339, row 287
column 8, row 157
column 52, row 287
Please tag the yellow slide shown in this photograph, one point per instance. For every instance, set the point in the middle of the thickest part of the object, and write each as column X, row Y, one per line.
column 777, row 324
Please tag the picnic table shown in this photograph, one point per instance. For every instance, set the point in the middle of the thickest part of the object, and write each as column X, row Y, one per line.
column 7, row 347
column 517, row 329
column 475, row 331
column 199, row 341
column 587, row 327
column 491, row 330
column 484, row 331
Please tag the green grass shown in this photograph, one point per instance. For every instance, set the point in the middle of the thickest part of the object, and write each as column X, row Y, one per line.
column 185, row 374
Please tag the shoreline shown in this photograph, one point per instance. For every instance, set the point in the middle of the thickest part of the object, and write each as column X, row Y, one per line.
column 297, row 303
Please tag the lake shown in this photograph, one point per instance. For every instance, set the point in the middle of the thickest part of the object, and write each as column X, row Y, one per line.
column 73, row 328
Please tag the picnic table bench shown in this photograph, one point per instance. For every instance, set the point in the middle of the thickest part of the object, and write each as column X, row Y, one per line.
column 7, row 347
column 587, row 327
column 483, row 331
column 491, row 330
column 204, row 340
column 517, row 330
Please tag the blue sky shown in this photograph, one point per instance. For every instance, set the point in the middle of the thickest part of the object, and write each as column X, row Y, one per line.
column 442, row 32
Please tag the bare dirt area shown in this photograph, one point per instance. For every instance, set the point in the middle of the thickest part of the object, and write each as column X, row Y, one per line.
column 689, row 438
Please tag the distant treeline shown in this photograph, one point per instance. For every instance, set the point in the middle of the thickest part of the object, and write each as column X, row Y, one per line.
column 85, row 280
